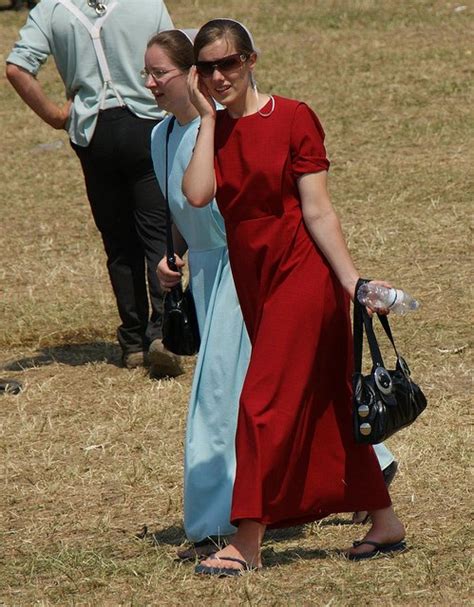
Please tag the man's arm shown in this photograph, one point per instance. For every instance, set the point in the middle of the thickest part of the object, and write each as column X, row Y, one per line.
column 29, row 89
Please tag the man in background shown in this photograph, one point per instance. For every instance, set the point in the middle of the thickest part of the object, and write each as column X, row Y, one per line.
column 98, row 48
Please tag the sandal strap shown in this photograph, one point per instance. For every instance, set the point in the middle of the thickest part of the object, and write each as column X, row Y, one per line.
column 232, row 559
column 369, row 542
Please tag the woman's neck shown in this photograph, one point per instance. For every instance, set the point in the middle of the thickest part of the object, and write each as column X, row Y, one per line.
column 186, row 113
column 248, row 105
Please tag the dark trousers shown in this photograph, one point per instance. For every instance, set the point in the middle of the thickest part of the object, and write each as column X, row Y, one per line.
column 129, row 211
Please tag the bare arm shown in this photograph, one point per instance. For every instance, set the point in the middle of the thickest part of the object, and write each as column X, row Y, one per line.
column 199, row 181
column 325, row 228
column 30, row 90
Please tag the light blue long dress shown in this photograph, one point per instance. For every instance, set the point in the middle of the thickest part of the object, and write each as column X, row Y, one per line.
column 209, row 463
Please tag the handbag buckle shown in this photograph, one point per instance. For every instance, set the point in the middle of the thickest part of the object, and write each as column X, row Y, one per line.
column 383, row 380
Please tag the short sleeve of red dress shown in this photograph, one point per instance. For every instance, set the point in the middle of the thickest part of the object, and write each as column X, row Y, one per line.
column 308, row 154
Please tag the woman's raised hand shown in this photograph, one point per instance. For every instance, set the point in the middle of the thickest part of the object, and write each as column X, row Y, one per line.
column 166, row 277
column 199, row 95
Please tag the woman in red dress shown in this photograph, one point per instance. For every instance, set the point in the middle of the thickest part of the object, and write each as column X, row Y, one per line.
column 263, row 158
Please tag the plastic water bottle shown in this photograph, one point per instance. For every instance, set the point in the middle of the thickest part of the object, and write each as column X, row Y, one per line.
column 377, row 296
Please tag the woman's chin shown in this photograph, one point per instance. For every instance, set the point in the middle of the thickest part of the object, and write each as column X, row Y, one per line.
column 162, row 103
column 224, row 96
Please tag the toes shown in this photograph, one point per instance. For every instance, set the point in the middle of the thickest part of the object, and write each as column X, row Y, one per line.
column 217, row 563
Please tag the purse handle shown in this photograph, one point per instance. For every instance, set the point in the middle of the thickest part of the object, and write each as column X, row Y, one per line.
column 363, row 320
column 170, row 257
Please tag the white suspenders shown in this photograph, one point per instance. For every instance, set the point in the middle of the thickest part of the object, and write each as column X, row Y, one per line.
column 94, row 31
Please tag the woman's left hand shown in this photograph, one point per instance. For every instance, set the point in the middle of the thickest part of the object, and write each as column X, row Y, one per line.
column 166, row 277
column 382, row 311
column 199, row 95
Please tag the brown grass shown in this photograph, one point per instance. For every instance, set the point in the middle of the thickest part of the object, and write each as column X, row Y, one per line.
column 91, row 452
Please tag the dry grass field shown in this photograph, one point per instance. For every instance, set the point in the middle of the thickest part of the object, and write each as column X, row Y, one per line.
column 91, row 452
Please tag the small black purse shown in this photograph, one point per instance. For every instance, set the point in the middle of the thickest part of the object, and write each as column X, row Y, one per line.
column 384, row 401
column 180, row 326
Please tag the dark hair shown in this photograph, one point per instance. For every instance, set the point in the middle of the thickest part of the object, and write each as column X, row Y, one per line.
column 224, row 28
column 177, row 46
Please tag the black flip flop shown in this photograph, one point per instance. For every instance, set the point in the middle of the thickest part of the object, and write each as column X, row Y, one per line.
column 379, row 549
column 224, row 571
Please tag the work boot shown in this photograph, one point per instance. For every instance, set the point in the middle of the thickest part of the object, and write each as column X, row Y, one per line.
column 162, row 362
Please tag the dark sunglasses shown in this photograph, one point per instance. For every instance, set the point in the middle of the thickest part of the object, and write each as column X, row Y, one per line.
column 231, row 63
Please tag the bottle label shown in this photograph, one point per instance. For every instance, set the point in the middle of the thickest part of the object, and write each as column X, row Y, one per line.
column 395, row 297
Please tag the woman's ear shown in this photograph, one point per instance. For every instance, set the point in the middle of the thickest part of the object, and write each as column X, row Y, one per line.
column 252, row 60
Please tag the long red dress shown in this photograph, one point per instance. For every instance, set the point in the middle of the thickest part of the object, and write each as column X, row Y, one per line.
column 296, row 458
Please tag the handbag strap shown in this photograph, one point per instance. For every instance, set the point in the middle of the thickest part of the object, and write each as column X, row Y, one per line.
column 385, row 324
column 363, row 320
column 170, row 257
column 358, row 325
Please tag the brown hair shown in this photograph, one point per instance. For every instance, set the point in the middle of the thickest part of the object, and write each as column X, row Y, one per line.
column 224, row 28
column 177, row 46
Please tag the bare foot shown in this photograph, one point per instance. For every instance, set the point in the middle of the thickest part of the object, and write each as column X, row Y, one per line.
column 386, row 529
column 245, row 546
column 219, row 559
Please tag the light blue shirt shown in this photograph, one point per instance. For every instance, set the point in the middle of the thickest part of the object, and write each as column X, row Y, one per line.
column 51, row 29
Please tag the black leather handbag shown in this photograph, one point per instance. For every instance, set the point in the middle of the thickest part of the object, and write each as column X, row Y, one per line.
column 180, row 325
column 385, row 401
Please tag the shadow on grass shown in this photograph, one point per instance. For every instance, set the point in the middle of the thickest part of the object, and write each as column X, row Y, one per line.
column 287, row 533
column 271, row 558
column 335, row 520
column 175, row 535
column 171, row 536
column 71, row 354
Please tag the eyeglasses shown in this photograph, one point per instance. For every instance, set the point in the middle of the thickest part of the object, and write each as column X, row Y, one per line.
column 156, row 74
column 231, row 63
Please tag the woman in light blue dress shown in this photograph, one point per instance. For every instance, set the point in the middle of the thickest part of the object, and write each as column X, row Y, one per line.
column 209, row 466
